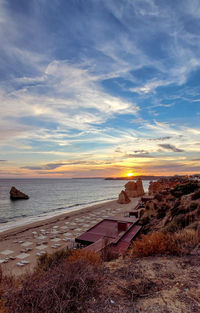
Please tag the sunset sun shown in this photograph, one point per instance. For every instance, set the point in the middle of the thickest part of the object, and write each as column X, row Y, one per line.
column 129, row 174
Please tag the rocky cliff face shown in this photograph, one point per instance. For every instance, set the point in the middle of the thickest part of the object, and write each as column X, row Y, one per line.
column 173, row 209
column 163, row 184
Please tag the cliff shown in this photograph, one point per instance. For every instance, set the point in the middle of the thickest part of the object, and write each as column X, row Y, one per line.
column 173, row 209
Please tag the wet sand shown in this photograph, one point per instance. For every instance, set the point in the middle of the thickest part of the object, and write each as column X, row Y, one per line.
column 20, row 247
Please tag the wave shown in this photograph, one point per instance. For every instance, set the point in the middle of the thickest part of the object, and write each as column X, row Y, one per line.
column 83, row 203
column 3, row 220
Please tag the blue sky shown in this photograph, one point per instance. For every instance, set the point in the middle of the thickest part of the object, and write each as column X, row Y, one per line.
column 98, row 88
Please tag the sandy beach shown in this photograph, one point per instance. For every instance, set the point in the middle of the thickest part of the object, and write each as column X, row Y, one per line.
column 20, row 247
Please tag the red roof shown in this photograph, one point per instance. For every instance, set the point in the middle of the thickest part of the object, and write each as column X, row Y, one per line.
column 116, row 230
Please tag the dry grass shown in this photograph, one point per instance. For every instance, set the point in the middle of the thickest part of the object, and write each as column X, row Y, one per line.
column 87, row 256
column 64, row 281
column 2, row 298
column 186, row 240
column 48, row 261
column 154, row 244
column 67, row 288
column 158, row 243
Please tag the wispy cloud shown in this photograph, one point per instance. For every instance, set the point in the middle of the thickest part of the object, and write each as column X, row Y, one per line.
column 139, row 155
column 170, row 147
column 150, row 86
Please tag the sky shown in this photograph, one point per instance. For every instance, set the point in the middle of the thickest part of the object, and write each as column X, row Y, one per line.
column 97, row 88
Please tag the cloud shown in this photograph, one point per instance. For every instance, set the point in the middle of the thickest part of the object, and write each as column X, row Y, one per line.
column 139, row 155
column 140, row 151
column 196, row 100
column 56, row 172
column 118, row 150
column 49, row 166
column 150, row 87
column 170, row 147
column 160, row 138
column 174, row 168
column 73, row 100
column 52, row 166
column 89, row 87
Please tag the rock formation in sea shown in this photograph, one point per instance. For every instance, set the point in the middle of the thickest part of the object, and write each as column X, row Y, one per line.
column 123, row 198
column 133, row 189
column 16, row 194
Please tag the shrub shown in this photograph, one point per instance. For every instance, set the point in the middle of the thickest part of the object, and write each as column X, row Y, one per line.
column 180, row 243
column 182, row 221
column 65, row 288
column 171, row 227
column 194, row 226
column 175, row 209
column 144, row 220
column 2, row 299
column 179, row 222
column 155, row 206
column 152, row 244
column 185, row 189
column 1, row 275
column 193, row 206
column 3, row 308
column 140, row 287
column 161, row 213
column 158, row 197
column 108, row 254
column 186, row 240
column 87, row 256
column 196, row 195
column 47, row 261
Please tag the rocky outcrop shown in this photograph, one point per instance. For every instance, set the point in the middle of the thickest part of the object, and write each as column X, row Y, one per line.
column 158, row 186
column 123, row 198
column 16, row 194
column 173, row 209
column 133, row 189
column 162, row 184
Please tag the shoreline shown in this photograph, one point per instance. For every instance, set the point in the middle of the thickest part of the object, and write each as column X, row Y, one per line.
column 64, row 216
column 28, row 220
column 26, row 243
column 53, row 219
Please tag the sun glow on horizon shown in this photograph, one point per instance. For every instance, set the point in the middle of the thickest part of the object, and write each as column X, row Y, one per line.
column 129, row 174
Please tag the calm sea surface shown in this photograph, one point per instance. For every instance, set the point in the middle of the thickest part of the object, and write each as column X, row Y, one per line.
column 49, row 197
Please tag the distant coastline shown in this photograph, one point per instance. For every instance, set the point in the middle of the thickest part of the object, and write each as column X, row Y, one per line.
column 150, row 177
column 136, row 177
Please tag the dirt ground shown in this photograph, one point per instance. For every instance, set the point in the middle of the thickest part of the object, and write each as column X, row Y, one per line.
column 150, row 285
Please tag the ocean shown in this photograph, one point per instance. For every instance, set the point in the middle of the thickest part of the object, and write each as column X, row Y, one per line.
column 50, row 197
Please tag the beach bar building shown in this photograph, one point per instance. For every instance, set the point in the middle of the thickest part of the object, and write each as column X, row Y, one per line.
column 116, row 232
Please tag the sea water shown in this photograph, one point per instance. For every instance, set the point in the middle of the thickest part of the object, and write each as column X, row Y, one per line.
column 50, row 197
